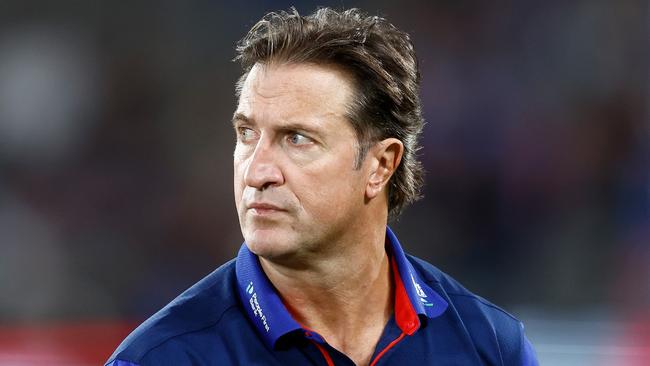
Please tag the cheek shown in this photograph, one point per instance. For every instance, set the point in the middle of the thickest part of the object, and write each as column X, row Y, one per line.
column 325, row 197
column 239, row 169
column 240, row 159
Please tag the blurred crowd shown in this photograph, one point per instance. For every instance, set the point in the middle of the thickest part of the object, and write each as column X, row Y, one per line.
column 116, row 149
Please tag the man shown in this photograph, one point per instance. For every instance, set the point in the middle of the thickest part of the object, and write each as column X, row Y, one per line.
column 326, row 125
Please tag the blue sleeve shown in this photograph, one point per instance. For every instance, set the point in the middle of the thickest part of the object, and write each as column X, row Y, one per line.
column 528, row 356
column 121, row 363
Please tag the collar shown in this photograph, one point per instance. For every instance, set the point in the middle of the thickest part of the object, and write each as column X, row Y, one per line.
column 413, row 298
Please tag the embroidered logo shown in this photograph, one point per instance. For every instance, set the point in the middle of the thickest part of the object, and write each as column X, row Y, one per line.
column 420, row 292
column 255, row 305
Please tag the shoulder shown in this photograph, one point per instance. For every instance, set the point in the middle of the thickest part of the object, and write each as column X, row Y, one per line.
column 496, row 334
column 462, row 299
column 204, row 305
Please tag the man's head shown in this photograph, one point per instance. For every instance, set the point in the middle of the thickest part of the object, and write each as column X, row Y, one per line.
column 378, row 58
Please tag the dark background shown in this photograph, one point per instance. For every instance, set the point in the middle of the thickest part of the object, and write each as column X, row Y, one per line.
column 116, row 153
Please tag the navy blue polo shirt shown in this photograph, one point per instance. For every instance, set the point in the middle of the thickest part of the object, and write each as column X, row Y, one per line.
column 234, row 316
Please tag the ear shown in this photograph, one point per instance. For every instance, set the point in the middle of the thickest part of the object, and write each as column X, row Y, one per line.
column 386, row 156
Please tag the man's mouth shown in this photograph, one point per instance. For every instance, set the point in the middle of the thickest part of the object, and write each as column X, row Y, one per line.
column 263, row 208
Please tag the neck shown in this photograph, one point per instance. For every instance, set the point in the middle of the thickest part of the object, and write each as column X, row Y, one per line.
column 331, row 295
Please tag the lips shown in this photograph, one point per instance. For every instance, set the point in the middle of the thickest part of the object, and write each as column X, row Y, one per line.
column 263, row 208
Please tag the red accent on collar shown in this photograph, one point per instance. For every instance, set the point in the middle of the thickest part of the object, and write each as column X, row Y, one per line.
column 405, row 315
column 383, row 352
column 324, row 352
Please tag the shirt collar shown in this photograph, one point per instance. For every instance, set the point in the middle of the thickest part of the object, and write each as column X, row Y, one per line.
column 413, row 296
column 272, row 319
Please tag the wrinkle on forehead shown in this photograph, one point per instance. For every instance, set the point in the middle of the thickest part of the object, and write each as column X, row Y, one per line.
column 299, row 85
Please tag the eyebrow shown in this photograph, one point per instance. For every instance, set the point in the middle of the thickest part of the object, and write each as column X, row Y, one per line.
column 238, row 117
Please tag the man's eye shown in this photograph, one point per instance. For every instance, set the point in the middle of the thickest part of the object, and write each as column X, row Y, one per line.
column 246, row 134
column 298, row 139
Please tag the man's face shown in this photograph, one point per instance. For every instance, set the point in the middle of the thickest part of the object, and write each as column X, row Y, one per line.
column 296, row 188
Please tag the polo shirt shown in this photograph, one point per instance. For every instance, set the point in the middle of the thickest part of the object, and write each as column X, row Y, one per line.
column 234, row 316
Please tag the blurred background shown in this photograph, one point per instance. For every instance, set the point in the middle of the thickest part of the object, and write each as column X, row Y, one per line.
column 116, row 172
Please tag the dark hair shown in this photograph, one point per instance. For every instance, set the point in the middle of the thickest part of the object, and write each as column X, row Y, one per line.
column 382, row 62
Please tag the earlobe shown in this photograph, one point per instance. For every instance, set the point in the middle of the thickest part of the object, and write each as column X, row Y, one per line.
column 387, row 156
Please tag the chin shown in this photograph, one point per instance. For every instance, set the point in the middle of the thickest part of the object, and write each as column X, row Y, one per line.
column 268, row 243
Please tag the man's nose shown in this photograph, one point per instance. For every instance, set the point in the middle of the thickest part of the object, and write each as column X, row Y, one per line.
column 263, row 170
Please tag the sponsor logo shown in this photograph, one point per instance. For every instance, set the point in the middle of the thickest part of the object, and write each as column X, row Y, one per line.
column 255, row 305
column 420, row 292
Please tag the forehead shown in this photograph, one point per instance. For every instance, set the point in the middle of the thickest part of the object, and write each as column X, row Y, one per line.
column 295, row 91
